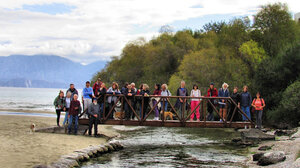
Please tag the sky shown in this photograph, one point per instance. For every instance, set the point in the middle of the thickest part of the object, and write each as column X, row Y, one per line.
column 91, row 30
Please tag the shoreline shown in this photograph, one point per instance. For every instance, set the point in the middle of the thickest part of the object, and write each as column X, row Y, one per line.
column 22, row 148
column 290, row 145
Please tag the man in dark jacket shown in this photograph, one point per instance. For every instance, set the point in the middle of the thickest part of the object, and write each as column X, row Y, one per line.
column 246, row 101
column 181, row 91
column 75, row 109
column 72, row 90
column 93, row 111
column 236, row 98
column 100, row 97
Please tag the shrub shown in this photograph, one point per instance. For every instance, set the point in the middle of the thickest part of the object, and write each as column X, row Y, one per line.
column 288, row 111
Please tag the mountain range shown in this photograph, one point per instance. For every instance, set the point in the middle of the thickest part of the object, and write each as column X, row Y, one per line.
column 45, row 71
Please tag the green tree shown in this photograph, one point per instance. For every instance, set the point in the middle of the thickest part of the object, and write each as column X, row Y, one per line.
column 275, row 29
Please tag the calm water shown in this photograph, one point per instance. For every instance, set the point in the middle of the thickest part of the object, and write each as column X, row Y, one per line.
column 32, row 99
column 173, row 147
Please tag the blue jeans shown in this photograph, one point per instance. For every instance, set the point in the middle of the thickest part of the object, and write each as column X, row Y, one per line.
column 66, row 118
column 71, row 123
column 166, row 105
column 247, row 111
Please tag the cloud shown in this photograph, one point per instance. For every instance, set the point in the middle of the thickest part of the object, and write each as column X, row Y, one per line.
column 90, row 30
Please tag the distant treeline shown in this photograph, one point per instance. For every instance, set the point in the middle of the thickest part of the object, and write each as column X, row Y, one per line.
column 265, row 55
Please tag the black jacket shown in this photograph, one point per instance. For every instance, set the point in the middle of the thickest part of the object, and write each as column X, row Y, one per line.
column 101, row 94
column 132, row 92
column 146, row 98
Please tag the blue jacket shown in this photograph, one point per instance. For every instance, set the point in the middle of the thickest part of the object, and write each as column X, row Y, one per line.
column 246, row 99
column 87, row 93
column 223, row 93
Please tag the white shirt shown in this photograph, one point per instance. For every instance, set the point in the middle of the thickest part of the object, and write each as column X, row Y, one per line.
column 195, row 93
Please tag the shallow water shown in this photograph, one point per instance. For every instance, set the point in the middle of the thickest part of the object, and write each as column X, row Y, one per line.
column 30, row 99
column 173, row 147
column 29, row 114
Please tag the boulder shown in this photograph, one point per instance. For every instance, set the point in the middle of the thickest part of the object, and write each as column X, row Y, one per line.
column 271, row 158
column 280, row 132
column 264, row 148
column 110, row 148
column 255, row 135
column 257, row 156
column 296, row 164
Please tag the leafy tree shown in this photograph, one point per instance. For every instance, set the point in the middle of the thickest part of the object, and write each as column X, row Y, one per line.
column 275, row 29
column 252, row 55
column 288, row 110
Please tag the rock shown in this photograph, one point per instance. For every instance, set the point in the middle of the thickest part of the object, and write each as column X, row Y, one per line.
column 65, row 163
column 235, row 140
column 75, row 156
column 257, row 156
column 296, row 164
column 119, row 145
column 255, row 135
column 264, row 148
column 110, row 148
column 271, row 158
column 84, row 155
column 284, row 132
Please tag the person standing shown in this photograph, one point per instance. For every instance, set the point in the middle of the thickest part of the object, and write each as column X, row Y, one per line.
column 157, row 92
column 181, row 91
column 129, row 93
column 112, row 99
column 195, row 93
column 94, row 112
column 87, row 95
column 59, row 104
column 246, row 102
column 211, row 92
column 75, row 109
column 100, row 98
column 236, row 98
column 72, row 90
column 259, row 104
column 134, row 98
column 68, row 103
column 165, row 92
column 96, row 86
column 223, row 92
column 145, row 95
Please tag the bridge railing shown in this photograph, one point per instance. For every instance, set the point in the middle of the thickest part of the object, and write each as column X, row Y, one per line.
column 182, row 113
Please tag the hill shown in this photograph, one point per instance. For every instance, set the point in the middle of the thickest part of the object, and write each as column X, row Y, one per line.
column 47, row 71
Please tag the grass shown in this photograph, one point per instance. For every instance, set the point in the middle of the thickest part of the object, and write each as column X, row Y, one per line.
column 298, row 156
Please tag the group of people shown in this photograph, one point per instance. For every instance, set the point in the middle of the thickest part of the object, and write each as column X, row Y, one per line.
column 93, row 102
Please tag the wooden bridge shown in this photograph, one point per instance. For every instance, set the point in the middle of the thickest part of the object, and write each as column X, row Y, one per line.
column 145, row 118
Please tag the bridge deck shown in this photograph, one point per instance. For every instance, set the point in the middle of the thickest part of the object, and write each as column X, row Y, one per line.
column 173, row 123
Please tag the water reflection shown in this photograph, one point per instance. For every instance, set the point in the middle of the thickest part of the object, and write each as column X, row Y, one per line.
column 173, row 147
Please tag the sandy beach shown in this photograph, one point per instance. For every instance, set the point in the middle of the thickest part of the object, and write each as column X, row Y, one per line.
column 21, row 148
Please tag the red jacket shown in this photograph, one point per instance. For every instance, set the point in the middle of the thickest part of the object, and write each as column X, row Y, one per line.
column 157, row 92
column 96, row 87
column 214, row 93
